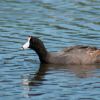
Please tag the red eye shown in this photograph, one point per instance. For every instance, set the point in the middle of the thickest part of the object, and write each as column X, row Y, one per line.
column 29, row 36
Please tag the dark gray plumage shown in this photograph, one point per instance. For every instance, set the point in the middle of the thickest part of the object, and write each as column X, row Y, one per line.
column 70, row 55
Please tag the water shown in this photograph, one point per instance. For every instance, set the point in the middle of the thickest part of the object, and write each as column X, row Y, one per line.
column 58, row 23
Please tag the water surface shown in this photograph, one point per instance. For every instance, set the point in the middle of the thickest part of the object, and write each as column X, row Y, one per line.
column 58, row 23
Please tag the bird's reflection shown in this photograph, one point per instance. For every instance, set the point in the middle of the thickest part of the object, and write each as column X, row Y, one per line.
column 81, row 71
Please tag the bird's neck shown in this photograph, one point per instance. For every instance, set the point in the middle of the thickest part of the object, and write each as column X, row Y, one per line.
column 42, row 52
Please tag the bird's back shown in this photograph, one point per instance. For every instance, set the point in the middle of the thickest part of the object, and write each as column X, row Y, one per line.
column 76, row 55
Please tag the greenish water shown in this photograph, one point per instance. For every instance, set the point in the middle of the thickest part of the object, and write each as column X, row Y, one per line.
column 58, row 23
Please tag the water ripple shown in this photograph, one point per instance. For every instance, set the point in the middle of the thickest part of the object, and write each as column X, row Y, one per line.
column 58, row 23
